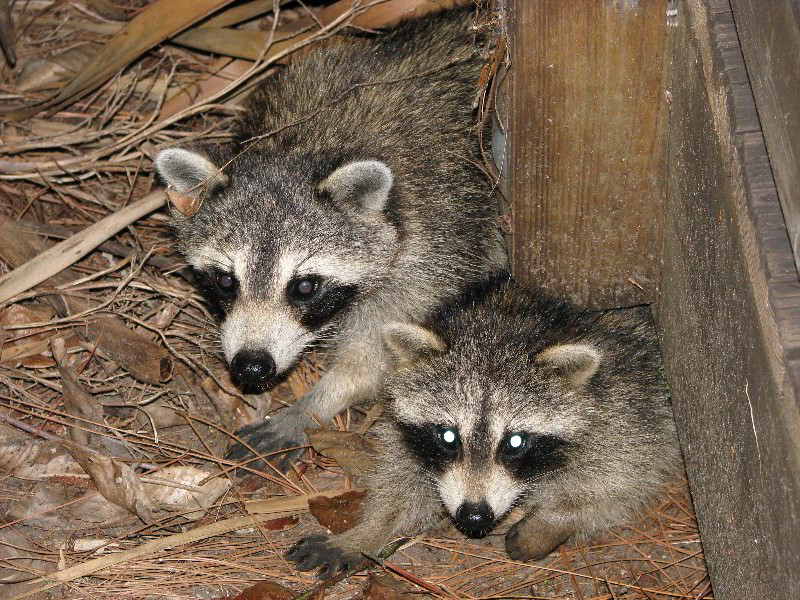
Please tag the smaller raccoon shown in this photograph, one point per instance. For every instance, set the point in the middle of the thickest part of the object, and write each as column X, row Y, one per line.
column 511, row 398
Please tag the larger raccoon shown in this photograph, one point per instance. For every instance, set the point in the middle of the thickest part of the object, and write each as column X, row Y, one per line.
column 349, row 198
column 509, row 398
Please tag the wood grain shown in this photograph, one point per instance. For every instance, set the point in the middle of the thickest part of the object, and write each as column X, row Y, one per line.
column 770, row 38
column 728, row 318
column 588, row 118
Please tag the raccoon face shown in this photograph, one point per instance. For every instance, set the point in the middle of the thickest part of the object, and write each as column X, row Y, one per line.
column 280, row 258
column 487, row 437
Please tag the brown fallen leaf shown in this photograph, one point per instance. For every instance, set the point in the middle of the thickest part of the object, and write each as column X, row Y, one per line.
column 339, row 513
column 354, row 452
column 77, row 401
column 143, row 359
column 17, row 342
column 116, row 481
column 37, row 461
column 44, row 73
column 265, row 590
column 386, row 587
column 236, row 411
column 52, row 505
column 106, row 9
column 181, row 499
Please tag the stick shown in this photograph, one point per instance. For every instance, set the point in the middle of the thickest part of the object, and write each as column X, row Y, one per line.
column 65, row 253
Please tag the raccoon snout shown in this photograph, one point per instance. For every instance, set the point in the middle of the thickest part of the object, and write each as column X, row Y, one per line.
column 474, row 519
column 252, row 369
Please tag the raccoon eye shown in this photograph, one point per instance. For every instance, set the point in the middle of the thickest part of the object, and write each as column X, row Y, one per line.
column 225, row 281
column 303, row 289
column 516, row 443
column 448, row 437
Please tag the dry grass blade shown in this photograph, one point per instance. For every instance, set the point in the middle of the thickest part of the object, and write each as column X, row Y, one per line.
column 158, row 22
column 64, row 254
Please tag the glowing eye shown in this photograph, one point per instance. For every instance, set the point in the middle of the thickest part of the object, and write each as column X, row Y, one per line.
column 225, row 282
column 303, row 289
column 515, row 441
column 449, row 436
column 516, row 444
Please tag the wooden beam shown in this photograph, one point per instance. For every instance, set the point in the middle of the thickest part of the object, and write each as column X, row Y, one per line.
column 770, row 36
column 588, row 119
column 729, row 318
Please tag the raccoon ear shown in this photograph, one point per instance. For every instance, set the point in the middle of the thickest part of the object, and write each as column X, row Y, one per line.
column 188, row 175
column 575, row 362
column 407, row 343
column 365, row 182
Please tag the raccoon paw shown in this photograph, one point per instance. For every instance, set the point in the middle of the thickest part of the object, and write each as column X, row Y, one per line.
column 269, row 437
column 318, row 551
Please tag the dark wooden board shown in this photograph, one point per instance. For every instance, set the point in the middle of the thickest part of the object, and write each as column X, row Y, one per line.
column 728, row 317
column 770, row 38
column 588, row 117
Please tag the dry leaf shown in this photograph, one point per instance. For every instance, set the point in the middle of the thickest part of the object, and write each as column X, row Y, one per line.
column 339, row 513
column 116, row 481
column 77, row 401
column 354, row 452
column 386, row 587
column 18, row 342
column 145, row 360
column 266, row 590
column 43, row 73
column 159, row 21
column 182, row 499
column 45, row 508
column 37, row 461
column 234, row 411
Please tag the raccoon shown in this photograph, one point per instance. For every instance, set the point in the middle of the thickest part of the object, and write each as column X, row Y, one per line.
column 349, row 198
column 506, row 398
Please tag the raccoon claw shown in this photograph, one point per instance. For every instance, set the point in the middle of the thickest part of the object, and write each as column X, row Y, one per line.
column 265, row 439
column 317, row 552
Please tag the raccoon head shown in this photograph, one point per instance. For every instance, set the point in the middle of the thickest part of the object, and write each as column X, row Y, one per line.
column 280, row 249
column 489, row 432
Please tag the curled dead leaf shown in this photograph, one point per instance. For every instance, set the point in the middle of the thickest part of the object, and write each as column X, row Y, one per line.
column 77, row 401
column 339, row 513
column 116, row 481
column 144, row 359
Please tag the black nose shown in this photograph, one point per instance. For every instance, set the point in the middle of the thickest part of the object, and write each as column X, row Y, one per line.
column 474, row 519
column 252, row 369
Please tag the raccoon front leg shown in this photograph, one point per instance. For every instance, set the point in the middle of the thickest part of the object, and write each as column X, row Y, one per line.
column 535, row 536
column 355, row 374
column 399, row 504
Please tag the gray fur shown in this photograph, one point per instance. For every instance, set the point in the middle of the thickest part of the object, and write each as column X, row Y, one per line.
column 516, row 361
column 358, row 160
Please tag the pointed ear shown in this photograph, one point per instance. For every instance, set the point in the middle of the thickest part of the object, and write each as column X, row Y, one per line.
column 407, row 343
column 574, row 362
column 366, row 183
column 189, row 175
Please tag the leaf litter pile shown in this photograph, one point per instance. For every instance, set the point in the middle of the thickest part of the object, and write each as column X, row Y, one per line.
column 115, row 407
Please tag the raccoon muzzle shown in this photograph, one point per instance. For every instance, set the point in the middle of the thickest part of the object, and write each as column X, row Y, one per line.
column 253, row 370
column 474, row 519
